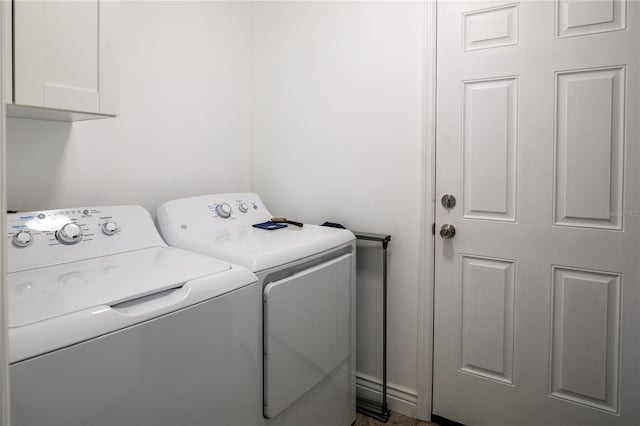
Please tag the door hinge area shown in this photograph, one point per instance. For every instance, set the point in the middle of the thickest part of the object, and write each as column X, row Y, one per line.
column 433, row 229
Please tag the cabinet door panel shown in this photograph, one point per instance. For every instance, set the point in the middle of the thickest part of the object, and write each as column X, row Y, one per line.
column 57, row 54
column 7, row 46
column 109, row 48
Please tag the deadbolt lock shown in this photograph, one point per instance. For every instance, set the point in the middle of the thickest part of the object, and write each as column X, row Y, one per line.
column 448, row 201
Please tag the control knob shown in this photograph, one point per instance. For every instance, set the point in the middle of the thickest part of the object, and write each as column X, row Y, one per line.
column 224, row 210
column 22, row 239
column 243, row 207
column 109, row 228
column 70, row 233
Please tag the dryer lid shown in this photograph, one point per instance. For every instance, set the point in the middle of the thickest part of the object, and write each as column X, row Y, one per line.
column 260, row 249
column 45, row 293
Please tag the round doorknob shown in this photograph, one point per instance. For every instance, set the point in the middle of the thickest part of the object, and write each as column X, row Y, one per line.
column 447, row 231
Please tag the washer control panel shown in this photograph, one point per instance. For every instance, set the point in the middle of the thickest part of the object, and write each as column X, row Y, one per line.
column 43, row 238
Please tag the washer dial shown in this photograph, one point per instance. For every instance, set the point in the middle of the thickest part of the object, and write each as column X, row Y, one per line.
column 109, row 228
column 22, row 239
column 243, row 207
column 70, row 233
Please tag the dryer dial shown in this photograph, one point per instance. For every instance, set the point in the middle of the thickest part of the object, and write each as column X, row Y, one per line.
column 224, row 210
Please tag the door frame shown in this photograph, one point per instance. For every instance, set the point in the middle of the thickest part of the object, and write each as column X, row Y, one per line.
column 426, row 287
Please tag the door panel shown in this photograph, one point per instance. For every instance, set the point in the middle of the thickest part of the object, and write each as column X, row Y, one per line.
column 537, row 136
column 489, row 149
column 56, row 54
column 586, row 313
column 589, row 118
column 487, row 317
column 575, row 18
column 493, row 27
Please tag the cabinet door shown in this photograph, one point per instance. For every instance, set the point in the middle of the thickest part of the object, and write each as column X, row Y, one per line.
column 7, row 47
column 61, row 50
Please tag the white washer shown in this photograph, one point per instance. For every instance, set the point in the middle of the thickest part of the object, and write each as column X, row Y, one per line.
column 308, row 280
column 109, row 326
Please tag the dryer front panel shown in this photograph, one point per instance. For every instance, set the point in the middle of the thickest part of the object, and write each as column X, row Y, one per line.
column 306, row 330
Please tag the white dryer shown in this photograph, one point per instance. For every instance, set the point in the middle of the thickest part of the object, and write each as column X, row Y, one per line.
column 109, row 326
column 308, row 307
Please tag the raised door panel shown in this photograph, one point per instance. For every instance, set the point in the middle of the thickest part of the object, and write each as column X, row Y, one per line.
column 589, row 148
column 489, row 149
column 493, row 27
column 586, row 337
column 487, row 312
column 583, row 17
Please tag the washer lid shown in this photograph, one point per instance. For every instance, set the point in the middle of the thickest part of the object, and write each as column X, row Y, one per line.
column 260, row 249
column 45, row 293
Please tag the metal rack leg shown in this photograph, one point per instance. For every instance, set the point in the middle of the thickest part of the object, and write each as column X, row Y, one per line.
column 379, row 410
column 385, row 409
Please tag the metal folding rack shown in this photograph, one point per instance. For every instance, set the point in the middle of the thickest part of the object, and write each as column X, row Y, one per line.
column 375, row 409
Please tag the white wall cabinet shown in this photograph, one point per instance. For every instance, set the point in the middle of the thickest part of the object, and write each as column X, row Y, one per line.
column 65, row 59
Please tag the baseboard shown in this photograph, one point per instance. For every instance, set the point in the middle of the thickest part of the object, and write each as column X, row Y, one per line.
column 400, row 399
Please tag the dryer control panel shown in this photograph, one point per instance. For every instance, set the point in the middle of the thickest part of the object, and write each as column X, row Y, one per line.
column 244, row 208
column 42, row 238
column 210, row 214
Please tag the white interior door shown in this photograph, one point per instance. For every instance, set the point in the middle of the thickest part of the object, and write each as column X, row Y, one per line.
column 537, row 300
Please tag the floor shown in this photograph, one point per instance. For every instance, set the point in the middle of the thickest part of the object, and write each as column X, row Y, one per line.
column 395, row 419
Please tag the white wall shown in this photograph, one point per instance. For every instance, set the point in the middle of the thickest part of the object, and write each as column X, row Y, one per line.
column 321, row 103
column 338, row 130
column 183, row 127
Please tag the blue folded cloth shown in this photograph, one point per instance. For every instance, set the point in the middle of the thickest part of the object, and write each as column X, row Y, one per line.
column 269, row 225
